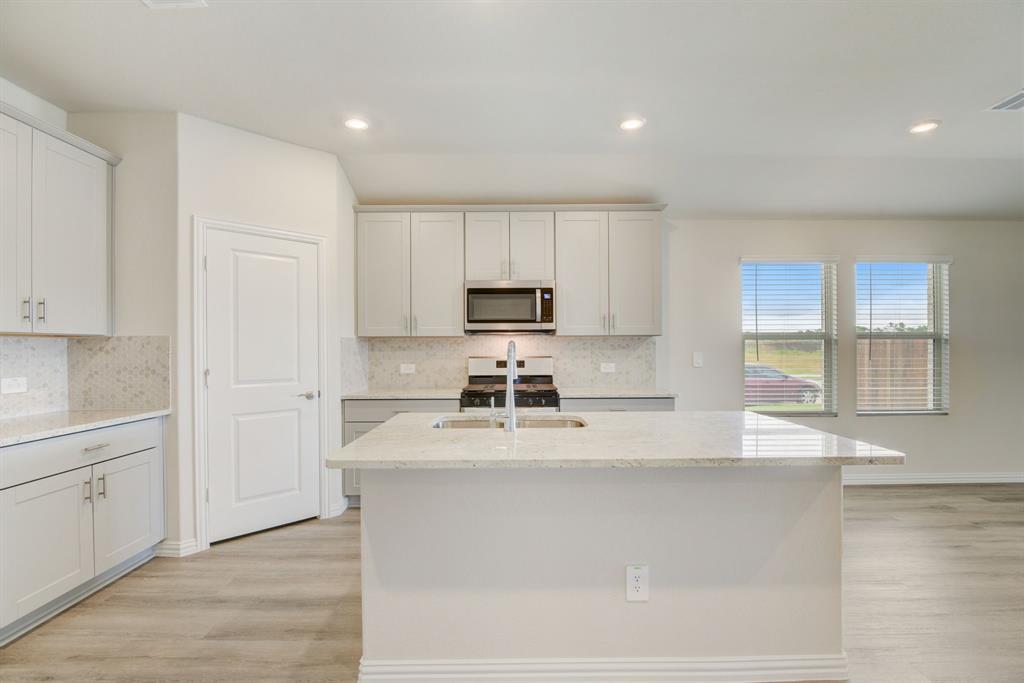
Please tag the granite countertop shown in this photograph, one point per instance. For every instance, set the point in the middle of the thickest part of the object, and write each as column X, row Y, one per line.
column 571, row 392
column 15, row 430
column 610, row 439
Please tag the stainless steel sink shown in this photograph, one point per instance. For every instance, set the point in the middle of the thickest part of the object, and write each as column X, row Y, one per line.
column 532, row 422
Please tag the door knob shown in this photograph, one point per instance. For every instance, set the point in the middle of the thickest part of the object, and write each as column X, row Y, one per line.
column 309, row 395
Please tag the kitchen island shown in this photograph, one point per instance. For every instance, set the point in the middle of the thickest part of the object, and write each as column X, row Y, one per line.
column 495, row 556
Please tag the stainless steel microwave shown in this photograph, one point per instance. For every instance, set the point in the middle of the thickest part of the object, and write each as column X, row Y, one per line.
column 510, row 306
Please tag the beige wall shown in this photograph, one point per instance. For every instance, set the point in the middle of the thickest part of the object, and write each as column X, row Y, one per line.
column 981, row 433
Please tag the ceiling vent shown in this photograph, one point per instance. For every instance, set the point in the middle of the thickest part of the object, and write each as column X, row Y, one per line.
column 174, row 4
column 1014, row 102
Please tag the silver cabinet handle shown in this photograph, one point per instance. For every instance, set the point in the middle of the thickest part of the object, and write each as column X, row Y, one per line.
column 511, row 270
column 604, row 322
column 101, row 492
column 405, row 324
column 41, row 309
column 26, row 309
column 613, row 322
column 505, row 274
column 87, row 487
column 308, row 395
column 97, row 447
column 415, row 324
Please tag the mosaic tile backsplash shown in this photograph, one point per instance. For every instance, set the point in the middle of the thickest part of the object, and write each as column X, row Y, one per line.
column 43, row 361
column 441, row 361
column 113, row 373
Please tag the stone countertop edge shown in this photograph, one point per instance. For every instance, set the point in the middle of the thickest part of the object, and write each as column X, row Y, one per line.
column 449, row 393
column 609, row 439
column 28, row 428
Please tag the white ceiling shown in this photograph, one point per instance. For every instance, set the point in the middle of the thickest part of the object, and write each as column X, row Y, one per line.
column 753, row 108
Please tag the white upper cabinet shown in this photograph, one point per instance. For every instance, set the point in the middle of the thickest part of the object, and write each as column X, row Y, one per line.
column 532, row 245
column 634, row 272
column 510, row 246
column 70, row 239
column 437, row 275
column 383, row 244
column 15, row 226
column 487, row 245
column 581, row 274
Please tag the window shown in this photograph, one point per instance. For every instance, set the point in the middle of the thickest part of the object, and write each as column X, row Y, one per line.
column 902, row 337
column 789, row 337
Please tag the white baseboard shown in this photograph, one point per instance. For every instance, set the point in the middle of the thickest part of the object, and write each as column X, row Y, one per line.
column 337, row 508
column 853, row 477
column 627, row 670
column 177, row 548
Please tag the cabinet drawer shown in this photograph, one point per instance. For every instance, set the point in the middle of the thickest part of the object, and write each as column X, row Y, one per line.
column 38, row 459
column 598, row 404
column 372, row 410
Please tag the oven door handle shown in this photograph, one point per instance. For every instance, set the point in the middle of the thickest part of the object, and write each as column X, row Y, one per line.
column 538, row 304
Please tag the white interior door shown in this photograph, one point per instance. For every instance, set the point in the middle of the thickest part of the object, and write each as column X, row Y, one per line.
column 262, row 354
column 487, row 245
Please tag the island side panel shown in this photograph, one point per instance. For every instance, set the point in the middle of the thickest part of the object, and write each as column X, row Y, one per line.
column 530, row 563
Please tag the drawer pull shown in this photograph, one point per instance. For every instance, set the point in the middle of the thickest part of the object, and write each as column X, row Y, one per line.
column 97, row 447
column 101, row 492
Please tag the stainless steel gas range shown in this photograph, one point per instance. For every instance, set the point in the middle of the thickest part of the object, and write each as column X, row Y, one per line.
column 534, row 389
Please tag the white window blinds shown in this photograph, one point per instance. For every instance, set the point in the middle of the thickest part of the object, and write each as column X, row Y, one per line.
column 902, row 337
column 789, row 337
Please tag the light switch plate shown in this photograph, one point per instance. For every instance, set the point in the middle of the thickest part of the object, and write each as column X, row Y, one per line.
column 13, row 385
column 698, row 359
column 607, row 367
column 638, row 583
column 407, row 369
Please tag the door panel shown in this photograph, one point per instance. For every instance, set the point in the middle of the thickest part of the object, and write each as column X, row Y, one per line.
column 15, row 226
column 47, row 545
column 383, row 247
column 487, row 245
column 532, row 245
column 581, row 239
column 437, row 280
column 634, row 272
column 70, row 240
column 129, row 506
column 262, row 346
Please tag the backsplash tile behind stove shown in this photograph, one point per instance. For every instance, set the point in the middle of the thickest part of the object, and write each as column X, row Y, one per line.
column 441, row 361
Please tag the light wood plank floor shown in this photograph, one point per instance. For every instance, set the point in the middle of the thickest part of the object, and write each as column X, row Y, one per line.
column 934, row 594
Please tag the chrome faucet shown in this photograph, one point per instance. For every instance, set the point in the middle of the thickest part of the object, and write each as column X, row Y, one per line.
column 510, row 389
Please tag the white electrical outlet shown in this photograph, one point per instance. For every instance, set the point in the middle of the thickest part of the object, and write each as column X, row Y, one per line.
column 638, row 583
column 407, row 369
column 607, row 367
column 698, row 359
column 13, row 385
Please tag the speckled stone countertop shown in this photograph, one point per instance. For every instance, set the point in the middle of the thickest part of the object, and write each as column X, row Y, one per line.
column 403, row 394
column 610, row 439
column 15, row 430
column 570, row 392
column 612, row 392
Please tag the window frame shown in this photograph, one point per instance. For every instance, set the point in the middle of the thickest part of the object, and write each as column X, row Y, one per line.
column 829, row 336
column 939, row 285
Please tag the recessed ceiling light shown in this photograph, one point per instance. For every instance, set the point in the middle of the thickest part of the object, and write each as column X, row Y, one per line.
column 924, row 127
column 357, row 124
column 632, row 124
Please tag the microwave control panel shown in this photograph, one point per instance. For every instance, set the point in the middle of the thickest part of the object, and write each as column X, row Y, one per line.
column 547, row 305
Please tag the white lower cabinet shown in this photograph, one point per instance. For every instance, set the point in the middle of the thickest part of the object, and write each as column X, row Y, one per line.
column 60, row 531
column 128, row 512
column 46, row 545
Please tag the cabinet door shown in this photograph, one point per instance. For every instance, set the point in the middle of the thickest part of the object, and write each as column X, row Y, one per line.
column 70, row 239
column 15, row 226
column 532, row 245
column 354, row 430
column 634, row 272
column 581, row 295
column 129, row 506
column 45, row 541
column 383, row 246
column 487, row 246
column 437, row 275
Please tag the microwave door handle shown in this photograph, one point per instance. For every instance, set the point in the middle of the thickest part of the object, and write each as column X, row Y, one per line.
column 538, row 304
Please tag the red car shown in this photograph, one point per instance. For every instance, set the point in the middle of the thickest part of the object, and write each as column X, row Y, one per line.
column 764, row 384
